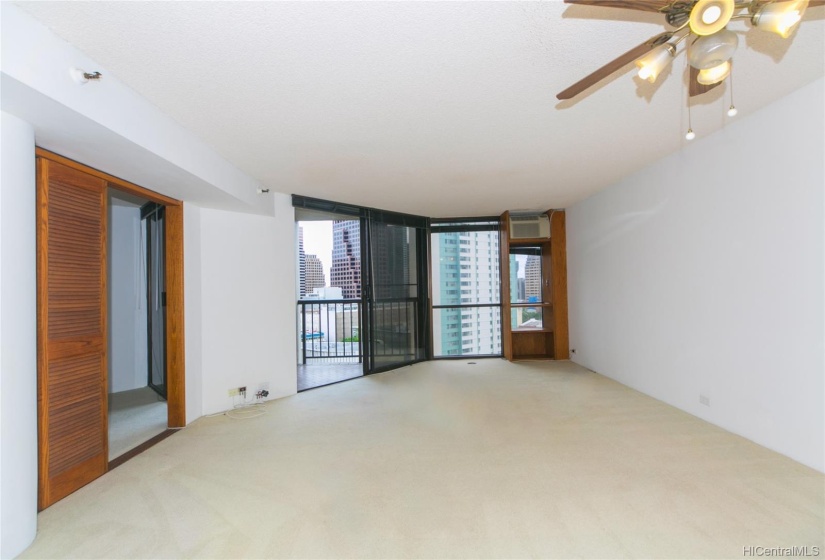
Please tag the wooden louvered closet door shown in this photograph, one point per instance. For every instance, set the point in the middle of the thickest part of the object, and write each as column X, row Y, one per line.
column 71, row 328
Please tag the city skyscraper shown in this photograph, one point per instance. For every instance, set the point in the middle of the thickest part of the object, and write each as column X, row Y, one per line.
column 516, row 289
column 465, row 269
column 302, row 267
column 314, row 275
column 346, row 257
column 532, row 278
column 516, row 293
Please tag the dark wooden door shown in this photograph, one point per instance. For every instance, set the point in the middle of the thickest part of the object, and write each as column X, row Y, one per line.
column 72, row 330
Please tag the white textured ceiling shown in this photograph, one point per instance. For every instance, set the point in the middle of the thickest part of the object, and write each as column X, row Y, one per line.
column 432, row 108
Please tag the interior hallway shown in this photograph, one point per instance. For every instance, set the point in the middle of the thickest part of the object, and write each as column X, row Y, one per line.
column 445, row 459
column 134, row 417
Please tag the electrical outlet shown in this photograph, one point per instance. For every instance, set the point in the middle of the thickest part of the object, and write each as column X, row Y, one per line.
column 704, row 399
column 242, row 391
column 234, row 392
column 263, row 386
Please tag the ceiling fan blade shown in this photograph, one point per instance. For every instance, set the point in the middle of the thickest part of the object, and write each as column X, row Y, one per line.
column 613, row 66
column 695, row 87
column 642, row 5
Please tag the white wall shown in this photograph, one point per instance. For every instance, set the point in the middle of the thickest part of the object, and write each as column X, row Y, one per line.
column 192, row 307
column 108, row 126
column 98, row 123
column 703, row 275
column 18, row 352
column 128, row 362
column 247, row 303
column 239, row 272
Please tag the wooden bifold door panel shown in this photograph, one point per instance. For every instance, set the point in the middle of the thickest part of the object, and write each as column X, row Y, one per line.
column 72, row 331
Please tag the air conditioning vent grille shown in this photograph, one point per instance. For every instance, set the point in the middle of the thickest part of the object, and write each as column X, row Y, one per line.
column 529, row 227
column 525, row 230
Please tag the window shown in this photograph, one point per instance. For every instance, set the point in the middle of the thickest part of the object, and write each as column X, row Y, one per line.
column 526, row 283
column 473, row 314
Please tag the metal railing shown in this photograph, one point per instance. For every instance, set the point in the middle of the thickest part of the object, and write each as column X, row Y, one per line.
column 329, row 331
column 395, row 329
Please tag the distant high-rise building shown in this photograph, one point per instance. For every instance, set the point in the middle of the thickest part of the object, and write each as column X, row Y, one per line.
column 465, row 270
column 314, row 277
column 302, row 266
column 532, row 278
column 346, row 257
column 515, row 293
column 446, row 271
column 516, row 288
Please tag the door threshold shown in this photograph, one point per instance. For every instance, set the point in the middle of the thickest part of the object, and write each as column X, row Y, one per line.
column 135, row 451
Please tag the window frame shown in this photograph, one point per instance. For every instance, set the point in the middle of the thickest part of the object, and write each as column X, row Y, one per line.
column 463, row 225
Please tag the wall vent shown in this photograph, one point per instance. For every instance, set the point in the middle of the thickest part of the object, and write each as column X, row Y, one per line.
column 529, row 227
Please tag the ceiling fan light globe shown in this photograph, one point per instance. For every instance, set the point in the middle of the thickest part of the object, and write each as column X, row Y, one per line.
column 710, row 76
column 709, row 16
column 780, row 17
column 712, row 50
column 652, row 64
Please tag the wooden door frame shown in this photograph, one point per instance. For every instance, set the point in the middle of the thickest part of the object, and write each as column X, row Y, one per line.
column 175, row 342
column 558, row 278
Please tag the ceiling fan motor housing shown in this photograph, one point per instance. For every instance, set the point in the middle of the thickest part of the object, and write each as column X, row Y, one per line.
column 712, row 50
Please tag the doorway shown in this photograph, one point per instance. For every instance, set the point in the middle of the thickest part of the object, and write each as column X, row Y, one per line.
column 372, row 315
column 330, row 345
column 137, row 404
column 395, row 294
column 73, row 321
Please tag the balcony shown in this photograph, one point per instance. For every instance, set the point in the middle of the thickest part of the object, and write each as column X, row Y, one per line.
column 329, row 343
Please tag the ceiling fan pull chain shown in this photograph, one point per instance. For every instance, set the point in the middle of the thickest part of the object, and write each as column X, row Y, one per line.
column 690, row 135
column 732, row 110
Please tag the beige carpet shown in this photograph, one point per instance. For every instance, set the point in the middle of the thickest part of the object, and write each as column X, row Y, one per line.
column 447, row 460
column 134, row 417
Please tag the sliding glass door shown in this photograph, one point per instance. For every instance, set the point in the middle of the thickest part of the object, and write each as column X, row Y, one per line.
column 154, row 231
column 395, row 293
column 385, row 267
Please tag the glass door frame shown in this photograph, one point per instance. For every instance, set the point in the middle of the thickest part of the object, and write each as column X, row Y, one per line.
column 421, row 301
column 154, row 213
column 420, row 227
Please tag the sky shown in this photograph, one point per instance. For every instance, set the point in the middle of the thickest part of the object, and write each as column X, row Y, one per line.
column 318, row 241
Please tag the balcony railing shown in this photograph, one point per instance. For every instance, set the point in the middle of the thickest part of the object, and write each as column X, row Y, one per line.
column 395, row 329
column 329, row 331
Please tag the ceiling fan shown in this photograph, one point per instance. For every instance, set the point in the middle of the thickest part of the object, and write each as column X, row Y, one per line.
column 703, row 23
